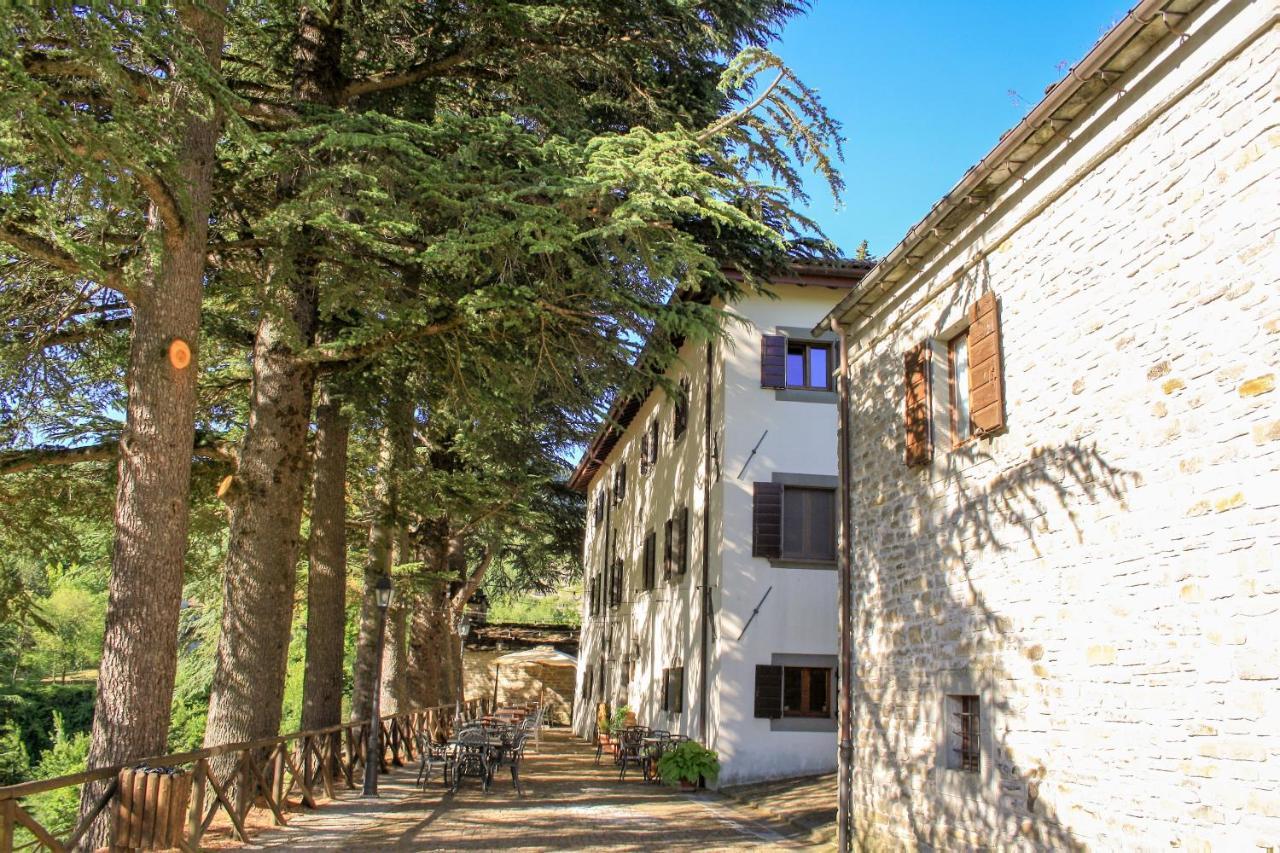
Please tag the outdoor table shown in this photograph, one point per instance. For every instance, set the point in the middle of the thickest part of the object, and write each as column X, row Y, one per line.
column 654, row 747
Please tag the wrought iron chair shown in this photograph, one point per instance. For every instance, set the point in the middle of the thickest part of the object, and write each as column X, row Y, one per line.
column 470, row 757
column 431, row 754
column 631, row 749
column 512, row 755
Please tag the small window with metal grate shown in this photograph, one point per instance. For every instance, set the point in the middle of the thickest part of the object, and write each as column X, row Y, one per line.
column 964, row 743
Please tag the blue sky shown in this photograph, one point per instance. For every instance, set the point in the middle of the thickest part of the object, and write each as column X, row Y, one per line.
column 923, row 90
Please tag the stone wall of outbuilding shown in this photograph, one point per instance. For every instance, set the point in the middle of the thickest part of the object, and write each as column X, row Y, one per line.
column 1105, row 573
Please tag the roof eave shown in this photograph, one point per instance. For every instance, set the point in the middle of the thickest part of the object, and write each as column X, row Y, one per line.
column 1149, row 19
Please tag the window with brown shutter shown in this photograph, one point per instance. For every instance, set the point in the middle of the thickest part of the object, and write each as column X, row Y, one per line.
column 986, row 373
column 806, row 691
column 768, row 702
column 649, row 447
column 615, row 586
column 766, row 520
column 619, row 484
column 673, row 689
column 599, row 511
column 916, row 384
column 773, row 361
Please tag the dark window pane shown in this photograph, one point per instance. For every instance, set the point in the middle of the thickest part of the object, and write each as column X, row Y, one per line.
column 818, row 369
column 808, row 524
column 818, row 682
column 822, row 525
column 795, row 367
column 792, row 690
column 960, row 387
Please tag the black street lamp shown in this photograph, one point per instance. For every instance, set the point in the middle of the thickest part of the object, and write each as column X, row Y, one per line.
column 373, row 747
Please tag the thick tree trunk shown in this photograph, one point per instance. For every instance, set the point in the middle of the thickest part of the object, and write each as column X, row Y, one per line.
column 266, row 511
column 327, row 579
column 139, row 658
column 393, row 660
column 385, row 530
column 430, row 667
column 453, row 642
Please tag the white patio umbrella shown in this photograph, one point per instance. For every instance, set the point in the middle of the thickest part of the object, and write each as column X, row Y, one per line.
column 538, row 656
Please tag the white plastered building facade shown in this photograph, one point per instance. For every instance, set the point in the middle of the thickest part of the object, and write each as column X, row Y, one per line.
column 643, row 642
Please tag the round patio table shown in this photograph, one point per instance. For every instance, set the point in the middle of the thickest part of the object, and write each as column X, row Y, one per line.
column 651, row 760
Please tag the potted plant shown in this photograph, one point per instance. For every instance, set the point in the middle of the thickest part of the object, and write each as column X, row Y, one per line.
column 686, row 763
column 618, row 721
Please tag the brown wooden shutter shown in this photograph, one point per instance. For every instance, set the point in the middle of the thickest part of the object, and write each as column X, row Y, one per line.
column 766, row 520
column 682, row 564
column 668, row 548
column 768, row 691
column 650, row 559
column 666, row 686
column 986, row 371
column 677, row 689
column 916, row 383
column 773, row 361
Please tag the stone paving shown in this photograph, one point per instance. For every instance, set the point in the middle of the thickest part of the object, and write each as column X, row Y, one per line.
column 569, row 803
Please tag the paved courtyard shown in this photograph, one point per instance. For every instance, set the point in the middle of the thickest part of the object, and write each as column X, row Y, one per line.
column 569, row 803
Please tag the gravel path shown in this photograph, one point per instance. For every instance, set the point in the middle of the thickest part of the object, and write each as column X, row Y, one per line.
column 569, row 803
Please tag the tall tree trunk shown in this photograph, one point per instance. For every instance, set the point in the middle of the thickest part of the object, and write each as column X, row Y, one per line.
column 327, row 579
column 422, row 674
column 453, row 643
column 385, row 529
column 139, row 658
column 267, row 496
column 266, row 512
column 393, row 660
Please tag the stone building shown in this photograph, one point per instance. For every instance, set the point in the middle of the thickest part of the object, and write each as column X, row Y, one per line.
column 1063, row 448
column 709, row 557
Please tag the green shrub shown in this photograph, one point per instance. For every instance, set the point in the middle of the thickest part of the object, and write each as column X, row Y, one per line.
column 27, row 709
column 687, row 762
column 57, row 810
column 15, row 763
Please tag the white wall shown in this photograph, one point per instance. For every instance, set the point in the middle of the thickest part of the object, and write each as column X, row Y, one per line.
column 799, row 616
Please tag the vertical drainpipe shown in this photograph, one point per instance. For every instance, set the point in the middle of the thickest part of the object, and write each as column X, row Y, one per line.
column 705, row 681
column 844, row 597
column 602, row 626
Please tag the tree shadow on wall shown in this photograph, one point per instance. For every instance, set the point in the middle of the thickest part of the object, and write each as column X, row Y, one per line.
column 932, row 547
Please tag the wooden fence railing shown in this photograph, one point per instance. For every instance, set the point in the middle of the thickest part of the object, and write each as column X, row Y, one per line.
column 268, row 770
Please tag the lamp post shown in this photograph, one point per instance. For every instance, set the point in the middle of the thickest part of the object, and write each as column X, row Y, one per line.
column 373, row 747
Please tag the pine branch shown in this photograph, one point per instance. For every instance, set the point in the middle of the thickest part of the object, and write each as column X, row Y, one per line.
column 463, row 595
column 738, row 115
column 41, row 249
column 415, row 74
column 166, row 205
column 17, row 461
column 334, row 354
column 38, row 248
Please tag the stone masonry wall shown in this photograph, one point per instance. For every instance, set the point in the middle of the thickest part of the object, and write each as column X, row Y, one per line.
column 519, row 684
column 1105, row 574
